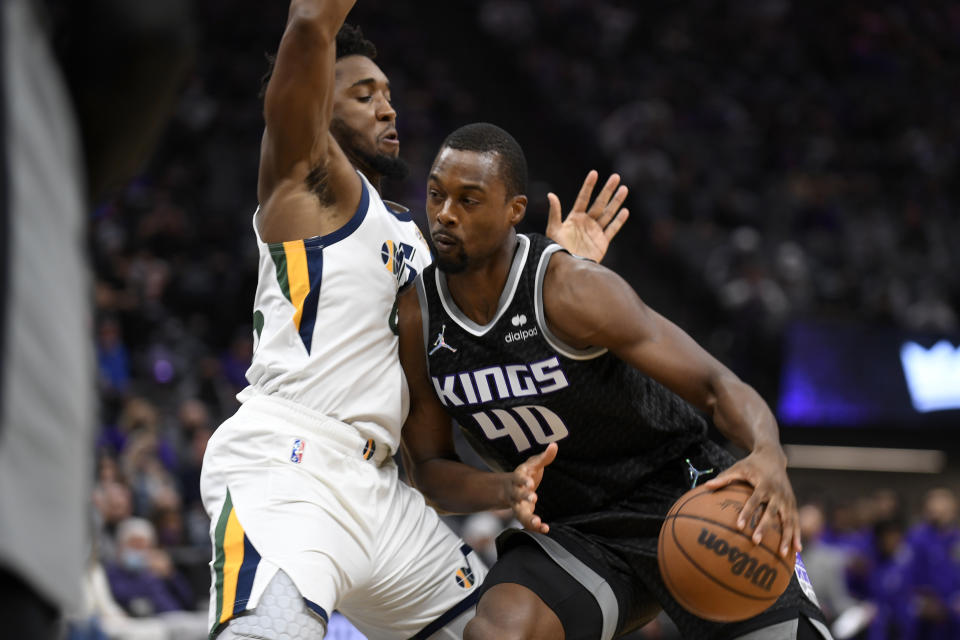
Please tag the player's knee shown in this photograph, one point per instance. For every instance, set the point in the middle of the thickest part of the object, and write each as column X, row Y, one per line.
column 511, row 612
column 281, row 613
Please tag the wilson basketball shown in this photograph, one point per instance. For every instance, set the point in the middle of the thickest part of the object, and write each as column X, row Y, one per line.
column 714, row 570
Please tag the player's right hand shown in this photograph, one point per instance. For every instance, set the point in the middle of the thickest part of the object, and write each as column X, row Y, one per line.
column 523, row 488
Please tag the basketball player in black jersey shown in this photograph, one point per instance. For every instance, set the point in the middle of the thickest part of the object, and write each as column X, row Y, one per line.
column 583, row 399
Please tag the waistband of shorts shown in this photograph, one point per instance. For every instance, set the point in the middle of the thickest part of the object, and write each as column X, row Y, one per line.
column 338, row 435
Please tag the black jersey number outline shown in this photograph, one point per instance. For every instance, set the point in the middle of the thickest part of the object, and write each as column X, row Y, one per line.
column 501, row 423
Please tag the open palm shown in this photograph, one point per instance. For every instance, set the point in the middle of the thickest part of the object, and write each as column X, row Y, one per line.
column 587, row 231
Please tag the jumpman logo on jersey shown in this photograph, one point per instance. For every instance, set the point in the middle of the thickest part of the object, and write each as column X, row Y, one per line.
column 695, row 473
column 441, row 343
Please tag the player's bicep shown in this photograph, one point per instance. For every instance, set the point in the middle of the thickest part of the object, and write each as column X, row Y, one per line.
column 596, row 307
column 426, row 432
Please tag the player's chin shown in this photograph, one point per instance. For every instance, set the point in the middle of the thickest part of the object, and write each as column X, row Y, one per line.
column 451, row 262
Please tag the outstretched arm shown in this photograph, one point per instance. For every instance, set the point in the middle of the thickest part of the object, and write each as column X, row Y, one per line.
column 588, row 305
column 587, row 231
column 298, row 105
column 429, row 453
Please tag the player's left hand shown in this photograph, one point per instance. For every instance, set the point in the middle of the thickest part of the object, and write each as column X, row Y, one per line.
column 587, row 231
column 772, row 502
column 523, row 491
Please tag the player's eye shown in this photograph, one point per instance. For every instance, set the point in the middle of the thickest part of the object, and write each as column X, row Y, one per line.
column 365, row 98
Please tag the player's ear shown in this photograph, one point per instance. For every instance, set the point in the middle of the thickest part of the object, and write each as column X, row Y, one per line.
column 518, row 209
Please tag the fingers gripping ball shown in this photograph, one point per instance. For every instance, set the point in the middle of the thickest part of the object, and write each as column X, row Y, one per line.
column 713, row 569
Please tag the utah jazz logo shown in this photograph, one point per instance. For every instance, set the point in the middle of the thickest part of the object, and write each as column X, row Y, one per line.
column 397, row 258
column 464, row 577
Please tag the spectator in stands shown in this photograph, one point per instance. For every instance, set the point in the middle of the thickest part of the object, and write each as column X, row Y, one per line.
column 825, row 565
column 891, row 580
column 143, row 579
column 113, row 504
column 935, row 544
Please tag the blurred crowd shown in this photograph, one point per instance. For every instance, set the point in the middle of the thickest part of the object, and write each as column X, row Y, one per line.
column 784, row 159
column 882, row 574
column 800, row 157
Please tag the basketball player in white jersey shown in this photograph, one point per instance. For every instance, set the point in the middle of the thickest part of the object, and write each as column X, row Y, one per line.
column 308, row 514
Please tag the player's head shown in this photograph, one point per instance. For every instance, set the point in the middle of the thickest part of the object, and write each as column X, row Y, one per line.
column 475, row 195
column 364, row 121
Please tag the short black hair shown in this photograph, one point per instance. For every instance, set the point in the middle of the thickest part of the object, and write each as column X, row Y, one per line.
column 484, row 137
column 350, row 42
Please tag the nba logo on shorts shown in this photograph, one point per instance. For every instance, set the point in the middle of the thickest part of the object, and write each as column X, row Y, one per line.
column 464, row 577
column 297, row 454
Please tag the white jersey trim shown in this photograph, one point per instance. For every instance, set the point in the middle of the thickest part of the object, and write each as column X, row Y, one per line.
column 556, row 343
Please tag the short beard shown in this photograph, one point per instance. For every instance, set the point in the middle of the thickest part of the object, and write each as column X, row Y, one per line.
column 381, row 164
column 457, row 264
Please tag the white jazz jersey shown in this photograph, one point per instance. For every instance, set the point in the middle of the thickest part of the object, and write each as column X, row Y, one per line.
column 324, row 319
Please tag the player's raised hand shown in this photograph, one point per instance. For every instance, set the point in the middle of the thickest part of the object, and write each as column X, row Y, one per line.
column 588, row 230
column 523, row 491
column 772, row 505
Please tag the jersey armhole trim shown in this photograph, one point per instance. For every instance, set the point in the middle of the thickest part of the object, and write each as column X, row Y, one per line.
column 556, row 343
column 319, row 242
column 424, row 316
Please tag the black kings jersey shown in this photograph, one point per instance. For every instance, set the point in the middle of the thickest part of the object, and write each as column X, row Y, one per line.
column 513, row 388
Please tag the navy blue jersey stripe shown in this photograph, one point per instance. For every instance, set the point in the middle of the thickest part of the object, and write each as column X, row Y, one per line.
column 310, row 304
column 451, row 613
column 352, row 224
column 317, row 609
column 248, row 569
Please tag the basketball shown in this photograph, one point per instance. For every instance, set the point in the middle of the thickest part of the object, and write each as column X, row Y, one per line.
column 714, row 570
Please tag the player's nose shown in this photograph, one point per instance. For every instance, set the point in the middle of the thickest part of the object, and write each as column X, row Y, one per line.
column 445, row 215
column 385, row 111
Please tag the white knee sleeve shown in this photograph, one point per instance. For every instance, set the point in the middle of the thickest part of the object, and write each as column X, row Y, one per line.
column 281, row 614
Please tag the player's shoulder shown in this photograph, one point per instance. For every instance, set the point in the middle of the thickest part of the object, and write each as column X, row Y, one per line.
column 566, row 267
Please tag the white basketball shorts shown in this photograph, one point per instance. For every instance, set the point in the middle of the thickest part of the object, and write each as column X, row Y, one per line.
column 287, row 488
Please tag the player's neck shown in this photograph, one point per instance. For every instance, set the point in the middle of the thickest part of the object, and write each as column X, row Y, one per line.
column 478, row 288
column 373, row 178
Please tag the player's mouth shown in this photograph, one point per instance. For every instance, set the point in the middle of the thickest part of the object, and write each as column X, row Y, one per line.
column 444, row 241
column 390, row 139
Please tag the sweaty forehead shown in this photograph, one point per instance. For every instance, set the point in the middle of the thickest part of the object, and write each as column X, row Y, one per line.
column 352, row 69
column 467, row 167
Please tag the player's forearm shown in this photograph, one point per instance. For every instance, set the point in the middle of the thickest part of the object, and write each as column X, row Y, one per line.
column 459, row 488
column 744, row 418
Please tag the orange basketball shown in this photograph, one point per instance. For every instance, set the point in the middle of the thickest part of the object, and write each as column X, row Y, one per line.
column 713, row 569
